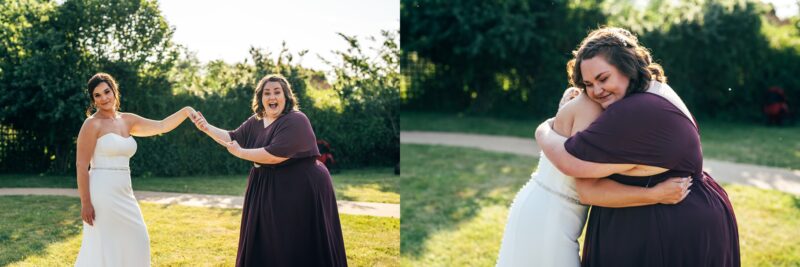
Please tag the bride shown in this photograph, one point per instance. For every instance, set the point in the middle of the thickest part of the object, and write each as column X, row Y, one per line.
column 114, row 233
column 548, row 213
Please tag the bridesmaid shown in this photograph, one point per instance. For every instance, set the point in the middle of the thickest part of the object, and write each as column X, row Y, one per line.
column 290, row 217
column 645, row 126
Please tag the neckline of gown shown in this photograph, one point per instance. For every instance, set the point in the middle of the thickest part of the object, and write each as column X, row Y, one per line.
column 112, row 133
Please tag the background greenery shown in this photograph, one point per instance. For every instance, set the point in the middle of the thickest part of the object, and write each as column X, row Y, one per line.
column 49, row 50
column 508, row 58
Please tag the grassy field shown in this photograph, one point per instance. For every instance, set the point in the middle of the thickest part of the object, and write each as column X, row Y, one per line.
column 737, row 142
column 455, row 205
column 369, row 185
column 46, row 231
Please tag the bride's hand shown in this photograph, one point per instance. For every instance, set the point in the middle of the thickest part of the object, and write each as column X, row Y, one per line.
column 189, row 111
column 569, row 94
column 87, row 214
column 200, row 121
column 673, row 190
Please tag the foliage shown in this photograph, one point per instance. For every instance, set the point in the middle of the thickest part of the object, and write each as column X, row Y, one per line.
column 508, row 58
column 495, row 57
column 51, row 50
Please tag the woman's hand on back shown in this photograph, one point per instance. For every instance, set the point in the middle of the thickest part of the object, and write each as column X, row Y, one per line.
column 672, row 190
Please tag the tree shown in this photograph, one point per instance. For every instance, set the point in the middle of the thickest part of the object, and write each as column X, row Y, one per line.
column 48, row 60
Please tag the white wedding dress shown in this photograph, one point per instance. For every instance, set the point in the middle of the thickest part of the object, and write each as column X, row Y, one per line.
column 544, row 222
column 119, row 235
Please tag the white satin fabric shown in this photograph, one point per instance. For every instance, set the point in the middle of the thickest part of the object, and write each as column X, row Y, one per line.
column 119, row 235
column 544, row 222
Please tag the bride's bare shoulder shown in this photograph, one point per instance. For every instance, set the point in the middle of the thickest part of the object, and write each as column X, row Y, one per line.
column 576, row 115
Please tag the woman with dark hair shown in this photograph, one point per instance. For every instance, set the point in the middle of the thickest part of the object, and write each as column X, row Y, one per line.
column 114, row 233
column 645, row 128
column 290, row 217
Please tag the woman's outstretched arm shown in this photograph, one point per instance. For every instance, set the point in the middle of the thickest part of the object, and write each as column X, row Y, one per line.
column 140, row 126
column 221, row 136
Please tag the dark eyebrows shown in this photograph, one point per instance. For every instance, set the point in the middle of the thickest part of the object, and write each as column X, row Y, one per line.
column 598, row 75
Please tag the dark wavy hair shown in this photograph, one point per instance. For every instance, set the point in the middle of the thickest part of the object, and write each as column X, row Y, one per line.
column 291, row 100
column 94, row 82
column 622, row 50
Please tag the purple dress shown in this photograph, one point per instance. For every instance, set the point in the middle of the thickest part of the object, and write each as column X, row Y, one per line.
column 701, row 230
column 290, row 217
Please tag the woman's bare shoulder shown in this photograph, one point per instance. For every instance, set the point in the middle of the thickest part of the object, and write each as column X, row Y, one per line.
column 584, row 105
column 577, row 106
column 91, row 126
column 576, row 115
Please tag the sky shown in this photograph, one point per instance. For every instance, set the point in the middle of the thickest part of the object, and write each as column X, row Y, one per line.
column 784, row 8
column 227, row 29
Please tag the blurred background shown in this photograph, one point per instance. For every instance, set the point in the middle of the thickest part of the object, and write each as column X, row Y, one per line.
column 508, row 58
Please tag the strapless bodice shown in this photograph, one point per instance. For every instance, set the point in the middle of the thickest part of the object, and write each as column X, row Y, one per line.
column 113, row 151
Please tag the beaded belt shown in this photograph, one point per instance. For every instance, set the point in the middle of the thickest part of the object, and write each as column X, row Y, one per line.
column 112, row 168
column 562, row 195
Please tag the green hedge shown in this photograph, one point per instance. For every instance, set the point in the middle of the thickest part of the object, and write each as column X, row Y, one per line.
column 508, row 59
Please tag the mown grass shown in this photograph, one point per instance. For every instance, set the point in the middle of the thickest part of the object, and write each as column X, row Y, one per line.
column 455, row 206
column 736, row 142
column 46, row 231
column 368, row 185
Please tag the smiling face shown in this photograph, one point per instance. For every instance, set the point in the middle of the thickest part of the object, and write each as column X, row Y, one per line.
column 273, row 99
column 104, row 97
column 604, row 83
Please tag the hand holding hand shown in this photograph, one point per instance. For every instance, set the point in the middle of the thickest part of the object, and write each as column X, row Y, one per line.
column 189, row 111
column 87, row 213
column 673, row 190
column 200, row 121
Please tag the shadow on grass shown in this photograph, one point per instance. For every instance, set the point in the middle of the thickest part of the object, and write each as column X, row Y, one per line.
column 444, row 186
column 796, row 200
column 32, row 223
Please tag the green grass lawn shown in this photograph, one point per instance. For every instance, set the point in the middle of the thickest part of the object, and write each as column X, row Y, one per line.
column 46, row 231
column 737, row 142
column 455, row 205
column 369, row 185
